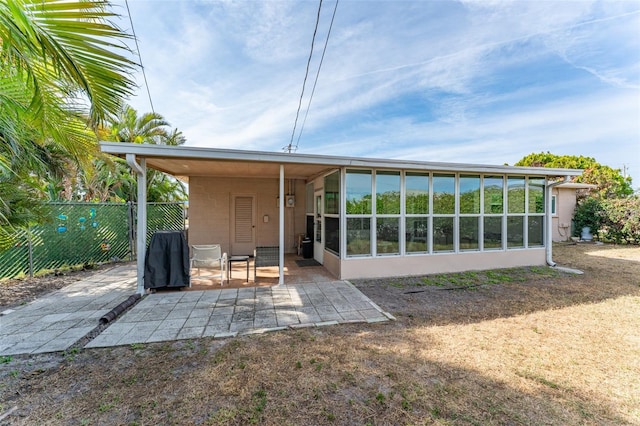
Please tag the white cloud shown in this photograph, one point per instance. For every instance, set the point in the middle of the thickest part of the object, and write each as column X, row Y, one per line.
column 476, row 81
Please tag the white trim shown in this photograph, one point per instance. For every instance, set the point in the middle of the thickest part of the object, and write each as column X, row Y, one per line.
column 199, row 153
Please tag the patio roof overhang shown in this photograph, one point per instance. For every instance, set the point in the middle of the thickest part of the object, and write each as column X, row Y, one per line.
column 184, row 161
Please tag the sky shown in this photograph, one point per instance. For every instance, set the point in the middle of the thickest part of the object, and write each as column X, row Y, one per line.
column 484, row 82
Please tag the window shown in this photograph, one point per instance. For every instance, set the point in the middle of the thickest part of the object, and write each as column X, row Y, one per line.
column 444, row 195
column 332, row 212
column 416, row 189
column 332, row 193
column 493, row 194
column 417, row 193
column 468, row 224
column 417, row 234
column 469, row 194
column 387, row 193
column 469, row 233
column 535, row 232
column 387, row 233
column 358, row 236
column 536, row 195
column 492, row 232
column 515, row 194
column 359, row 212
column 358, row 192
column 553, row 205
column 442, row 234
column 515, row 231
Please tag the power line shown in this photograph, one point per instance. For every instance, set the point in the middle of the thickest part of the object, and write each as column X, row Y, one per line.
column 144, row 74
column 289, row 147
column 326, row 42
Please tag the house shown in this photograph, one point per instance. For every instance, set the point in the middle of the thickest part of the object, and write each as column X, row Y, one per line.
column 366, row 217
column 563, row 204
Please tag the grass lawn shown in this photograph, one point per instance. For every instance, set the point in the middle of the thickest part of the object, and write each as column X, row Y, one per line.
column 509, row 347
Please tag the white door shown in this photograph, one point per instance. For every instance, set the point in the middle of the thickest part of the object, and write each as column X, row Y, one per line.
column 318, row 228
column 243, row 225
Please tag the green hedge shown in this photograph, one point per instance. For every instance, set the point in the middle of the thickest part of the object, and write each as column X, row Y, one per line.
column 614, row 220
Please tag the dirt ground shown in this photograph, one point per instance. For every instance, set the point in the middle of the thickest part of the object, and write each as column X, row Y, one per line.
column 528, row 346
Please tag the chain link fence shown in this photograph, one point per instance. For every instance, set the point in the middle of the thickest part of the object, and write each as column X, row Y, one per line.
column 85, row 233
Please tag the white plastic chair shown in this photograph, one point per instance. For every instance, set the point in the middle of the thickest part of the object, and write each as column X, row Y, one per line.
column 209, row 256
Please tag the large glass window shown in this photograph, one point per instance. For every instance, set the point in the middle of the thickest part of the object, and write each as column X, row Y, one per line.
column 417, row 193
column 493, row 194
column 469, row 194
column 358, row 236
column 387, row 235
column 332, row 212
column 358, row 192
column 469, row 233
column 515, row 194
column 332, row 234
column 442, row 234
column 515, row 231
column 444, row 190
column 492, row 232
column 417, row 234
column 536, row 231
column 536, row 195
column 387, row 192
column 332, row 193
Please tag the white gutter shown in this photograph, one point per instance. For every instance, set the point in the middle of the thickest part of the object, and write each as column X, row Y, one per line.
column 549, row 220
column 141, row 230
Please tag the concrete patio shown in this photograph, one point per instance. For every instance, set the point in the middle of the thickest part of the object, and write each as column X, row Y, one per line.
column 58, row 320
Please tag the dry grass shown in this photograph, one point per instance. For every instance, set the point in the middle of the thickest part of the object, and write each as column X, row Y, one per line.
column 553, row 349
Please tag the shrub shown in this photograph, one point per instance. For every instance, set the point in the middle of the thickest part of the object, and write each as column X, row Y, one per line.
column 616, row 220
column 588, row 213
column 621, row 220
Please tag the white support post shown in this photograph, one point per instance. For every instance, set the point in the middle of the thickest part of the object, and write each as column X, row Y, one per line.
column 141, row 229
column 281, row 228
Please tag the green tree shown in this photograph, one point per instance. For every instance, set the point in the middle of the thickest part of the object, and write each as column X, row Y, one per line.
column 63, row 70
column 148, row 128
column 610, row 182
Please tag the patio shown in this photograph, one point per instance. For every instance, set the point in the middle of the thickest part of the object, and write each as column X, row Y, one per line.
column 311, row 297
column 208, row 279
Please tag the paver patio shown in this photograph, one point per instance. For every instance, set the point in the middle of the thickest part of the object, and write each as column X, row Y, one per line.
column 58, row 320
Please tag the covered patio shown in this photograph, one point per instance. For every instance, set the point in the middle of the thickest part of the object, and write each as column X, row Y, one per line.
column 267, row 276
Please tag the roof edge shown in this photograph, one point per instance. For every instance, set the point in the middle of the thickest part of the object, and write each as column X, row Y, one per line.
column 201, row 153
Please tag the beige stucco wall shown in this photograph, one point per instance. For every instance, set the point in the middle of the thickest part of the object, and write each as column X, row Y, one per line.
column 565, row 206
column 439, row 263
column 210, row 216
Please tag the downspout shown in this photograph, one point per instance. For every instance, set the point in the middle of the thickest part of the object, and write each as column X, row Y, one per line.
column 549, row 220
column 141, row 229
column 281, row 229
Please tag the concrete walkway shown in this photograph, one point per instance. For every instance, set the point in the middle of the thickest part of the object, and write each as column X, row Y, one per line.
column 58, row 320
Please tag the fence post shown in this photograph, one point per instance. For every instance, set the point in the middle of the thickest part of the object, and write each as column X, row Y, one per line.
column 131, row 230
column 30, row 250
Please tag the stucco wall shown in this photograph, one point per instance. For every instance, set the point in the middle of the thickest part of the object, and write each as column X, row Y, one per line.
column 565, row 206
column 210, row 215
column 439, row 263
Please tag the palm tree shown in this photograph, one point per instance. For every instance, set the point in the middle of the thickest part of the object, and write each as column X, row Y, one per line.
column 113, row 178
column 63, row 70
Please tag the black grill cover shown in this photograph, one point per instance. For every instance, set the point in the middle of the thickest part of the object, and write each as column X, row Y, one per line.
column 166, row 262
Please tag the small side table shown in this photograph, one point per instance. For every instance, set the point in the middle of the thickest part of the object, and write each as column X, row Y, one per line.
column 237, row 259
